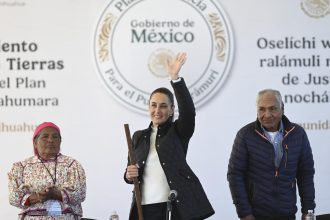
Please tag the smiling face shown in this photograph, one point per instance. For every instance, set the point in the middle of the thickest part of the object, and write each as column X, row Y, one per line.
column 48, row 143
column 270, row 111
column 160, row 108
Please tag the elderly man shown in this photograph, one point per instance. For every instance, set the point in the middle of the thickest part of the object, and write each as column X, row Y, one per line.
column 269, row 159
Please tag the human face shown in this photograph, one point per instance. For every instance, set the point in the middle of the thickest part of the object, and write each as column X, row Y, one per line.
column 160, row 109
column 269, row 112
column 48, row 143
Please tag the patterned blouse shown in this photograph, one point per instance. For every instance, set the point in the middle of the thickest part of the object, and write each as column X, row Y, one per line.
column 33, row 175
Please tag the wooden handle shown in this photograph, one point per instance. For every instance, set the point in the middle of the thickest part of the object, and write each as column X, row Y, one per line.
column 135, row 179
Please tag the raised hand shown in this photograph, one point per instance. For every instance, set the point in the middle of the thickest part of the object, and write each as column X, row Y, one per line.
column 175, row 65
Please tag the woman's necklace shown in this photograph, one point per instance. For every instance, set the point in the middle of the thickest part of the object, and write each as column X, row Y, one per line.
column 53, row 177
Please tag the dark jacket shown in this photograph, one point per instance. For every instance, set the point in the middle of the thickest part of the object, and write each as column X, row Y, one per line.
column 172, row 144
column 261, row 189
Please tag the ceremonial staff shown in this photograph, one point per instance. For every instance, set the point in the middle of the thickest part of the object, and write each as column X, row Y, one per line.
column 135, row 179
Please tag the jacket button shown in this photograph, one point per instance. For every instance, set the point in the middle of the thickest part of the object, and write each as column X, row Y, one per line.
column 143, row 162
column 177, row 201
column 157, row 145
column 164, row 164
column 188, row 177
column 170, row 182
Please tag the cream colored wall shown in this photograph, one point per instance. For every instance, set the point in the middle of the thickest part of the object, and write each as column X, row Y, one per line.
column 92, row 120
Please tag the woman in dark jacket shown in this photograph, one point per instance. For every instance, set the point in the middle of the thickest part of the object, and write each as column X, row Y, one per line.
column 160, row 152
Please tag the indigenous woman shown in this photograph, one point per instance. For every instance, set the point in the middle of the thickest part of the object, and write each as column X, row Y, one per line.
column 48, row 185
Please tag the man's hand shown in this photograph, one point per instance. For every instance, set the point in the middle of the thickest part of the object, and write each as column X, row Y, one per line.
column 303, row 216
column 248, row 217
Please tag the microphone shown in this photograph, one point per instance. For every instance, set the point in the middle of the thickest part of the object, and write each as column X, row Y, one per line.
column 172, row 195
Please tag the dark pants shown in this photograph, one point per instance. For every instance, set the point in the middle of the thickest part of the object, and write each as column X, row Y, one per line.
column 275, row 218
column 157, row 211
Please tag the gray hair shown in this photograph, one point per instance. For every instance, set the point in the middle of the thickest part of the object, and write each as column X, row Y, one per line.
column 276, row 93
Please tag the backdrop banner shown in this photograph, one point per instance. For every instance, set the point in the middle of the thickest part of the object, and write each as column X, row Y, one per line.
column 89, row 66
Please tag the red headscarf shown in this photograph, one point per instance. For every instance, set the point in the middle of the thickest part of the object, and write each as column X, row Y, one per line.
column 38, row 130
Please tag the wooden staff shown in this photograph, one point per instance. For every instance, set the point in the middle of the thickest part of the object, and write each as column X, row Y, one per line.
column 135, row 179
